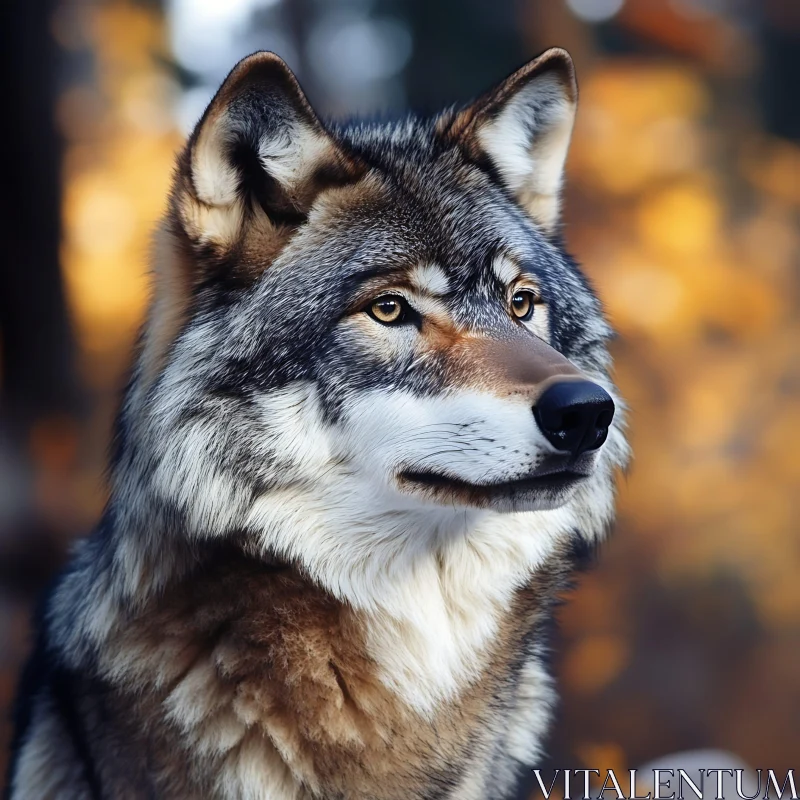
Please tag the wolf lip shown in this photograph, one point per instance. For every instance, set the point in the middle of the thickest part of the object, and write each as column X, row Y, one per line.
column 449, row 489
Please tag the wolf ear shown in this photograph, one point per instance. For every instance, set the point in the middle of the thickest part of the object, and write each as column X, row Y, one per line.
column 259, row 154
column 524, row 126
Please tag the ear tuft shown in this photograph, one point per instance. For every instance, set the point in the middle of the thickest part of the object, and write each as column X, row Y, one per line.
column 523, row 127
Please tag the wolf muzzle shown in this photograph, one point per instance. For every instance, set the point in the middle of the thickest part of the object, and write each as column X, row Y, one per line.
column 572, row 412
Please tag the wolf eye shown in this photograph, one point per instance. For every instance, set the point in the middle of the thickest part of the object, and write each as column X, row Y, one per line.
column 388, row 310
column 522, row 304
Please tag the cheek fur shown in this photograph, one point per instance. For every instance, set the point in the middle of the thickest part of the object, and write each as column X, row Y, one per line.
column 475, row 437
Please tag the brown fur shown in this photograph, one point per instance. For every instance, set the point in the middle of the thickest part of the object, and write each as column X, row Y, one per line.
column 172, row 277
column 514, row 366
column 286, row 669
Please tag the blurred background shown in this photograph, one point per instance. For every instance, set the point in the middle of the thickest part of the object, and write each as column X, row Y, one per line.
column 683, row 204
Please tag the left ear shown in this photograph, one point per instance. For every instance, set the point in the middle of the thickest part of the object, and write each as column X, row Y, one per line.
column 523, row 127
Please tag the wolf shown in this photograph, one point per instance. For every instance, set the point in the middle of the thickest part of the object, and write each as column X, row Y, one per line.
column 369, row 435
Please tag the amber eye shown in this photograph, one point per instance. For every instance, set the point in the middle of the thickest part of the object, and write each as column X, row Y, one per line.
column 522, row 304
column 389, row 309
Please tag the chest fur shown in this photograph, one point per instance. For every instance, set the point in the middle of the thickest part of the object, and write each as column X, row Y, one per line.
column 257, row 682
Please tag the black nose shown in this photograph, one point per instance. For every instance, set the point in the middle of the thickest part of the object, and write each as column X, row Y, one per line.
column 574, row 415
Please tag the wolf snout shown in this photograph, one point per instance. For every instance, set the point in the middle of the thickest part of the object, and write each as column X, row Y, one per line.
column 574, row 416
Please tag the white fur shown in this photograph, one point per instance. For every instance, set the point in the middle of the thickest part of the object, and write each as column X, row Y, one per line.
column 290, row 157
column 256, row 771
column 433, row 580
column 286, row 157
column 430, row 278
column 432, row 585
column 209, row 224
column 215, row 179
column 470, row 435
column 536, row 697
column 216, row 726
column 528, row 141
column 506, row 269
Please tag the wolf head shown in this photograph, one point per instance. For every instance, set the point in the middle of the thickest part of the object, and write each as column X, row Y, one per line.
column 366, row 340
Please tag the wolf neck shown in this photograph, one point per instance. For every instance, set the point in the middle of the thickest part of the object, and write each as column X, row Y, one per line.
column 429, row 611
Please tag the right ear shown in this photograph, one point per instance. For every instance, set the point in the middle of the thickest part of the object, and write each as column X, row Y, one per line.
column 257, row 157
column 244, row 182
column 523, row 127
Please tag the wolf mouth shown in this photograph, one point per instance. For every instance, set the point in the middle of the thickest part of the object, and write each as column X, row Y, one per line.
column 449, row 489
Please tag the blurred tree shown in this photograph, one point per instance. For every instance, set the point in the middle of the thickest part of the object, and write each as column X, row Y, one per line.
column 460, row 47
column 780, row 74
column 37, row 378
column 37, row 374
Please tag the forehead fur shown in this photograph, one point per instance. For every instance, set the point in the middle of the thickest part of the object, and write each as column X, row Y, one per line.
column 434, row 204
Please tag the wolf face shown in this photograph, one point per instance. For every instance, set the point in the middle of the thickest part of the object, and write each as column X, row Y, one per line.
column 366, row 337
